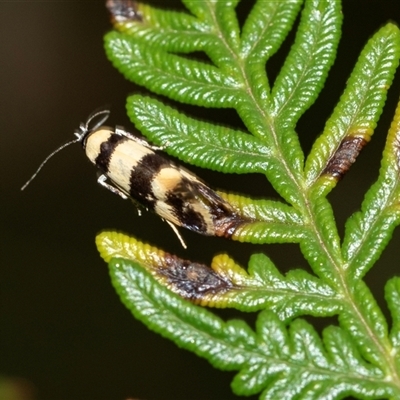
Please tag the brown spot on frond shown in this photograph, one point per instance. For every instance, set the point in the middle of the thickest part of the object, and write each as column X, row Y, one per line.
column 344, row 156
column 191, row 280
column 123, row 10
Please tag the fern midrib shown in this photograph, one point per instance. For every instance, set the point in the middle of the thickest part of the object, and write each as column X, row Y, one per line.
column 336, row 262
column 278, row 149
column 349, row 302
column 384, row 350
column 382, row 345
column 237, row 60
column 337, row 266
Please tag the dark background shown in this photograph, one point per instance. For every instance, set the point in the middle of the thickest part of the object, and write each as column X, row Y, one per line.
column 64, row 334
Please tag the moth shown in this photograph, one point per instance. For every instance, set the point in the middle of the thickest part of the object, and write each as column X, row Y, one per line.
column 131, row 168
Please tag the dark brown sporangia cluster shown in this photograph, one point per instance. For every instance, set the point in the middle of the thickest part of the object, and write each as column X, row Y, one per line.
column 192, row 280
column 123, row 10
column 344, row 156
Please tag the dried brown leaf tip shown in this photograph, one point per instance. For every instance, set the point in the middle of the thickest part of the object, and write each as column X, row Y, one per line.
column 345, row 155
column 208, row 286
column 191, row 280
column 123, row 11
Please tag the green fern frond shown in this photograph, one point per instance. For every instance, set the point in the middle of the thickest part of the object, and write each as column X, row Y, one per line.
column 284, row 356
column 277, row 360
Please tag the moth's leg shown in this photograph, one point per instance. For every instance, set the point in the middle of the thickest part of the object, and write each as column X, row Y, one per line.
column 102, row 181
column 174, row 228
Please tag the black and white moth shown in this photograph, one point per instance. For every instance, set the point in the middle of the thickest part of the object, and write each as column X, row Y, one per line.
column 131, row 168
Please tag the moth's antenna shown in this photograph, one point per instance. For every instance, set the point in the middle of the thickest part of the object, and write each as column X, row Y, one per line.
column 47, row 159
column 103, row 112
column 80, row 133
